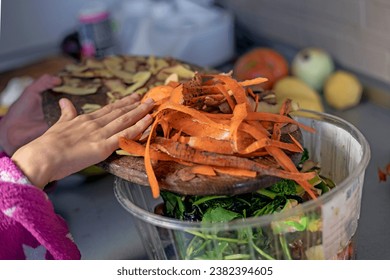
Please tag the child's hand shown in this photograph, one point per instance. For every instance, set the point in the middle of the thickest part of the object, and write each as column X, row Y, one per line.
column 76, row 142
column 24, row 120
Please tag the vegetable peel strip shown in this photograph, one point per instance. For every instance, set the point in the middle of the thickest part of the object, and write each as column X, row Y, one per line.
column 148, row 163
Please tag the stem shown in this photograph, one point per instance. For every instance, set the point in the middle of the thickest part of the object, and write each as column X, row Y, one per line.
column 261, row 252
column 284, row 244
column 215, row 237
column 257, row 249
column 238, row 257
column 267, row 193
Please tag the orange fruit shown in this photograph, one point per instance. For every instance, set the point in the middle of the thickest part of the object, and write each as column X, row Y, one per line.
column 261, row 62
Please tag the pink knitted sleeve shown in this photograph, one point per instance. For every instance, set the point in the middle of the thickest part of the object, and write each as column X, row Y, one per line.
column 29, row 227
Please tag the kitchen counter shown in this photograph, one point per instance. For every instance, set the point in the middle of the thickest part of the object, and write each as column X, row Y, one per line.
column 374, row 227
column 104, row 230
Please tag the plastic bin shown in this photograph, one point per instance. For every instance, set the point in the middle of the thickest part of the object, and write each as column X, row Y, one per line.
column 327, row 225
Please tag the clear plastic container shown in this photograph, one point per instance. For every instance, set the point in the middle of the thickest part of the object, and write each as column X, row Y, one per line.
column 323, row 229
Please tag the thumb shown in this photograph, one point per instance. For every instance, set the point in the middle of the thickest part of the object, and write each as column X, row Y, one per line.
column 68, row 111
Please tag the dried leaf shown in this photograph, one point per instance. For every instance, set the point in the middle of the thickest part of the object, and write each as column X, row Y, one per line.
column 86, row 74
column 130, row 66
column 180, row 70
column 94, row 64
column 90, row 107
column 171, row 78
column 75, row 68
column 76, row 90
column 139, row 80
column 125, row 76
column 102, row 73
column 113, row 96
column 115, row 85
column 155, row 65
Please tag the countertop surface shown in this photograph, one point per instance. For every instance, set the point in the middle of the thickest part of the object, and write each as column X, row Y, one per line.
column 374, row 223
column 104, row 230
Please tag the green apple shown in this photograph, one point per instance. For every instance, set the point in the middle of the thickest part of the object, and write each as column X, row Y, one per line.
column 313, row 66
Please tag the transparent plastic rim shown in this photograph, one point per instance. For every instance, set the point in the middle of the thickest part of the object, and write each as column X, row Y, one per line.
column 175, row 224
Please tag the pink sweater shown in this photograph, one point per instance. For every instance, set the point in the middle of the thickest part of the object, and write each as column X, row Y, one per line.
column 29, row 228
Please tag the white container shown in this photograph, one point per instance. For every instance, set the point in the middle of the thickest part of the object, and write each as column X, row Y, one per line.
column 343, row 153
column 200, row 35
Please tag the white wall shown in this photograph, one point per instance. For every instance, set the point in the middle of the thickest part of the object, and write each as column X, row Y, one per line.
column 355, row 32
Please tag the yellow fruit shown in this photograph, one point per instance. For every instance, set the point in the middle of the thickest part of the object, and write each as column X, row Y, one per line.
column 299, row 92
column 342, row 90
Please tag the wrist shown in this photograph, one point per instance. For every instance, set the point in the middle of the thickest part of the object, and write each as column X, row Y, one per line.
column 34, row 166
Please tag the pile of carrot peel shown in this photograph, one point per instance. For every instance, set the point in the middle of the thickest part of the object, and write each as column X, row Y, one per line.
column 210, row 125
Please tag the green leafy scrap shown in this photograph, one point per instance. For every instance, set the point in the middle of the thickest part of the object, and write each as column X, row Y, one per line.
column 305, row 156
column 218, row 215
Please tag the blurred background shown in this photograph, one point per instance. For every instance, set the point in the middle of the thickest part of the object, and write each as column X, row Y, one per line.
column 336, row 52
column 204, row 32
column 352, row 31
column 32, row 30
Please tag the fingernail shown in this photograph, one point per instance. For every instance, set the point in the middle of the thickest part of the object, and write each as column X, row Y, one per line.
column 56, row 80
column 149, row 101
column 148, row 117
column 62, row 103
column 136, row 96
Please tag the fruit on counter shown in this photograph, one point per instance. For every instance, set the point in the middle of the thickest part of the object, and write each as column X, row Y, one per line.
column 299, row 92
column 261, row 62
column 342, row 90
column 313, row 66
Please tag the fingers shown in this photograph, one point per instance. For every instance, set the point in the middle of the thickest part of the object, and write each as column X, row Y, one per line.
column 128, row 118
column 130, row 132
column 128, row 100
column 123, row 121
column 137, row 128
column 68, row 111
column 43, row 83
column 115, row 113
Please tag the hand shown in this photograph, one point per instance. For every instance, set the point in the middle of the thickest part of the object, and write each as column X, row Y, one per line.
column 24, row 120
column 76, row 142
